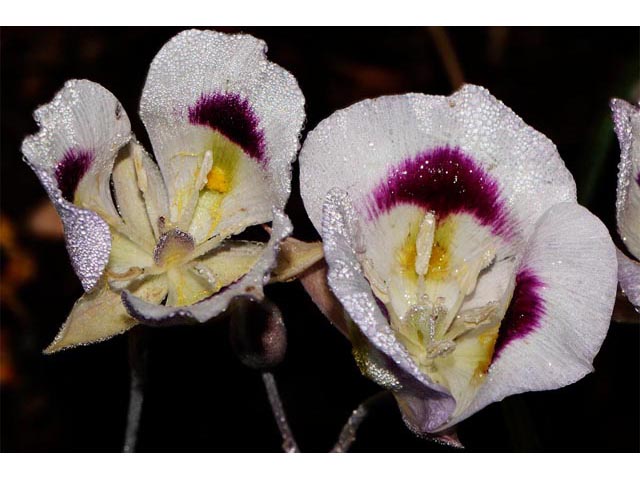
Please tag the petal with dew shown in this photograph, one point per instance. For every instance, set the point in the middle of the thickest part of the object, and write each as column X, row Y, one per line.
column 99, row 315
column 355, row 148
column 560, row 310
column 81, row 132
column 626, row 119
column 221, row 118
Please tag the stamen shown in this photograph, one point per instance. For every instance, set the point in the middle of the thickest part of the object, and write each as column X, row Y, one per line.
column 184, row 154
column 129, row 274
column 141, row 174
column 205, row 168
column 378, row 285
column 424, row 243
column 206, row 273
column 425, row 317
column 440, row 349
column 217, row 180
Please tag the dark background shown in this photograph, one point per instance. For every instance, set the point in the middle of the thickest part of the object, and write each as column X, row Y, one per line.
column 199, row 396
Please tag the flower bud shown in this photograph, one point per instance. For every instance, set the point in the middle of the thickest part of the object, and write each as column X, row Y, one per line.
column 257, row 332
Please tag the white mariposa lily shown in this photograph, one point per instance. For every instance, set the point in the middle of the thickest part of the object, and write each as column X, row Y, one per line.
column 458, row 251
column 152, row 242
column 626, row 119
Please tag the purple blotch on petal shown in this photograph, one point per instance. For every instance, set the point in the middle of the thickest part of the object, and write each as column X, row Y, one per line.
column 71, row 169
column 638, row 178
column 524, row 312
column 443, row 180
column 232, row 116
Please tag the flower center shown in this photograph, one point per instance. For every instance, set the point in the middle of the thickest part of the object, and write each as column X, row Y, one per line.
column 431, row 276
column 172, row 248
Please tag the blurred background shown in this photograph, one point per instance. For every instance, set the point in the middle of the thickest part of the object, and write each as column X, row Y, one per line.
column 199, row 397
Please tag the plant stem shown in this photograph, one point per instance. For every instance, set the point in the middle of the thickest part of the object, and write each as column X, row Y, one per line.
column 138, row 374
column 289, row 444
column 348, row 433
column 447, row 53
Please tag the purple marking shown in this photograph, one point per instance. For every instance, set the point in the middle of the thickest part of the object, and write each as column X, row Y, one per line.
column 446, row 181
column 638, row 179
column 71, row 169
column 524, row 312
column 232, row 116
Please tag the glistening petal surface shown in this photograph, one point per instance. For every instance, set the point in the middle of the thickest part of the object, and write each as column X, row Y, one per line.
column 560, row 318
column 626, row 119
column 208, row 91
column 354, row 149
column 81, row 132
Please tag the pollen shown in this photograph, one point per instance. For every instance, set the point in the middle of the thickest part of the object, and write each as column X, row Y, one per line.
column 218, row 181
column 407, row 254
column 439, row 260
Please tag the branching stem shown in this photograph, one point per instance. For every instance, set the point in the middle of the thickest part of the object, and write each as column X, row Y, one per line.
column 289, row 444
column 348, row 433
column 138, row 373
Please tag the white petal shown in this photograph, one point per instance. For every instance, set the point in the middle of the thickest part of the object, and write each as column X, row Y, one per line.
column 228, row 84
column 340, row 232
column 560, row 311
column 250, row 284
column 626, row 118
column 355, row 149
column 629, row 277
column 81, row 132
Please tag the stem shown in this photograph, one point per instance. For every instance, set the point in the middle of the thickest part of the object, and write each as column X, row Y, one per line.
column 289, row 444
column 447, row 53
column 138, row 373
column 348, row 433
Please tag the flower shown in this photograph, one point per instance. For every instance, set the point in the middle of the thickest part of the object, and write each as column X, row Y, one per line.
column 151, row 242
column 456, row 246
column 626, row 118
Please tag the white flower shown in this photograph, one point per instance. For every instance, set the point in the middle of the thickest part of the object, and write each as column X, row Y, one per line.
column 153, row 241
column 626, row 118
column 456, row 246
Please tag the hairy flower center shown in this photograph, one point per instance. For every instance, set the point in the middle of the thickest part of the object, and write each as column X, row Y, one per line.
column 172, row 248
column 427, row 287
